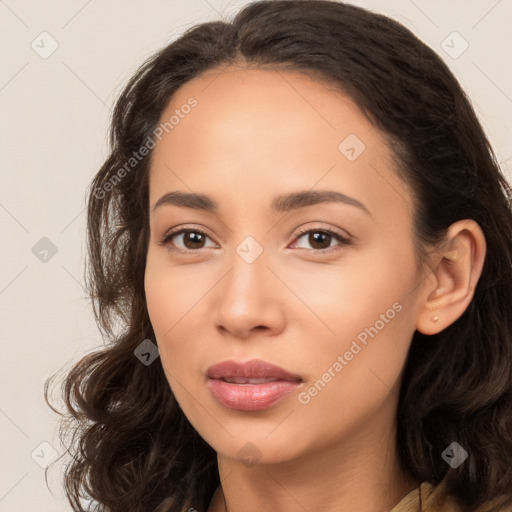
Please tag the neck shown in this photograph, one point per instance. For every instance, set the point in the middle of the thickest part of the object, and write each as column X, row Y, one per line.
column 359, row 473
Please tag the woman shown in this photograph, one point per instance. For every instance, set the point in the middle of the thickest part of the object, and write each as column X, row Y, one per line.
column 259, row 367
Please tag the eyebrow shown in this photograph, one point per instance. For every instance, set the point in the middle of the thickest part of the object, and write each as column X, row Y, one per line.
column 280, row 204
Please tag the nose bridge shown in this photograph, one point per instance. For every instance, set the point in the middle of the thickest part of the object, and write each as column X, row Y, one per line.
column 249, row 271
column 247, row 296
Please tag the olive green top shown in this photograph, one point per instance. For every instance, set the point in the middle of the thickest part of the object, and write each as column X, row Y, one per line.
column 430, row 498
column 424, row 498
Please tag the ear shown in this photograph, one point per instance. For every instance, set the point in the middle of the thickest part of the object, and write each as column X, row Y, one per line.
column 455, row 274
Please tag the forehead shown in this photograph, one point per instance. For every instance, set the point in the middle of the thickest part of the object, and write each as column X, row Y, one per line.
column 273, row 97
column 253, row 128
column 239, row 108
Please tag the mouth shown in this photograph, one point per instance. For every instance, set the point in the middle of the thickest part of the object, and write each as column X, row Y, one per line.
column 250, row 386
column 253, row 395
column 253, row 369
column 244, row 381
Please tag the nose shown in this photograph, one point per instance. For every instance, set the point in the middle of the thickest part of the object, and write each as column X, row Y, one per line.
column 248, row 300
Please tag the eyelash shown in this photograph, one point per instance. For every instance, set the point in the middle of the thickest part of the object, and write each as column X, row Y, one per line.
column 165, row 241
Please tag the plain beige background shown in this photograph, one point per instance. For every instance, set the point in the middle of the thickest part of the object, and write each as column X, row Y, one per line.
column 55, row 111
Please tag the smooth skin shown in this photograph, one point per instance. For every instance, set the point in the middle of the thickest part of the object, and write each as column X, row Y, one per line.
column 257, row 133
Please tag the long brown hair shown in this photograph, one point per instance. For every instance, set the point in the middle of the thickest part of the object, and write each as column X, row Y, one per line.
column 133, row 448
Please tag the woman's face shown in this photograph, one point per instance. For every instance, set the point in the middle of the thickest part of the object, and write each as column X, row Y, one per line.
column 266, row 281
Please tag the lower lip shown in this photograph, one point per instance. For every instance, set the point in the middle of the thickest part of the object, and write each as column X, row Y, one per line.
column 251, row 397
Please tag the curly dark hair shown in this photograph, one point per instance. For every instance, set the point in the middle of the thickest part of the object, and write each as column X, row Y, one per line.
column 132, row 446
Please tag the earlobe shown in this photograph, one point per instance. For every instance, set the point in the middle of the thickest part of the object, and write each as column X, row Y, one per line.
column 457, row 267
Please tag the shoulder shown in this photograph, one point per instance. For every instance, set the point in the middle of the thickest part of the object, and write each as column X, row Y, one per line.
column 429, row 497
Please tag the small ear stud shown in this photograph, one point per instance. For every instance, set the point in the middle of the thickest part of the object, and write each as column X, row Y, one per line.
column 452, row 255
column 435, row 319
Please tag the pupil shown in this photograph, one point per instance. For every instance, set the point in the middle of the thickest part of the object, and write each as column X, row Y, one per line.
column 193, row 238
column 313, row 239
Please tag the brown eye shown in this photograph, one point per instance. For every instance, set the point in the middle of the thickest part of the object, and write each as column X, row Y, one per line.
column 191, row 239
column 321, row 239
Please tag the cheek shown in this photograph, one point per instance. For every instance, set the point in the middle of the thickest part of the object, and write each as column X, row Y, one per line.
column 337, row 302
column 159, row 296
column 167, row 302
column 356, row 372
column 175, row 301
column 356, row 314
column 167, row 312
column 170, row 291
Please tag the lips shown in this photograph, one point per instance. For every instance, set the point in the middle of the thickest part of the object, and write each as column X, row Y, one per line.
column 251, row 397
column 251, row 386
column 255, row 371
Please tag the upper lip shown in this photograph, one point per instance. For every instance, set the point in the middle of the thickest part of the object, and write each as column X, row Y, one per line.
column 254, row 369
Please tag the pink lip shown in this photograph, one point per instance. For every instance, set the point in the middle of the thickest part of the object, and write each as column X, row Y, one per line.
column 250, row 397
column 254, row 369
